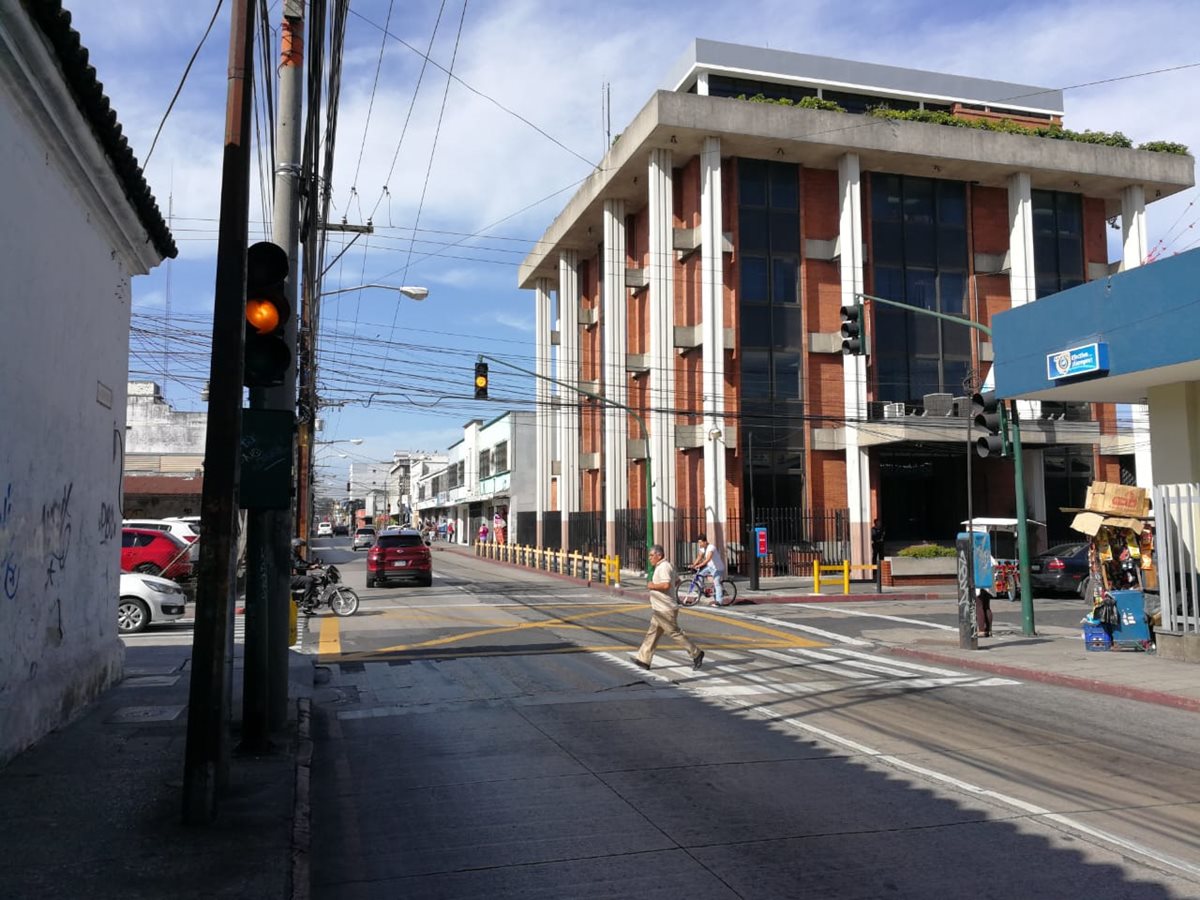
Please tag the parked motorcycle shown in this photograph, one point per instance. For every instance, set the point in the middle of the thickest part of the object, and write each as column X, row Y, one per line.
column 324, row 589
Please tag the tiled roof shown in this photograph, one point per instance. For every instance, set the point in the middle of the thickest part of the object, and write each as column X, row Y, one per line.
column 55, row 24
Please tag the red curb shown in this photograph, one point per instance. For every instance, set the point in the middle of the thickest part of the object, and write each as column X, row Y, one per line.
column 837, row 598
column 1083, row 684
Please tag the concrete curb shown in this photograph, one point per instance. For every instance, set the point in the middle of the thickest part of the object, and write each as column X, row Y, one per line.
column 1083, row 684
column 301, row 887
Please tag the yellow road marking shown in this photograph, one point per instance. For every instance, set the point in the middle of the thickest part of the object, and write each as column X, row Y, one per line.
column 488, row 632
column 369, row 655
column 793, row 640
column 330, row 639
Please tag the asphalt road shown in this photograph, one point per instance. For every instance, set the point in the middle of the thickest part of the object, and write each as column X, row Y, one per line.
column 488, row 737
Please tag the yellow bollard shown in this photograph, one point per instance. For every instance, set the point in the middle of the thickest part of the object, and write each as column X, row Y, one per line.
column 817, row 577
column 845, row 576
column 293, row 616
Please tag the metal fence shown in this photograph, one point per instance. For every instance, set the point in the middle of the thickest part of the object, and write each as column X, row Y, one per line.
column 551, row 530
column 1177, row 528
column 526, row 532
column 796, row 538
column 631, row 538
column 585, row 532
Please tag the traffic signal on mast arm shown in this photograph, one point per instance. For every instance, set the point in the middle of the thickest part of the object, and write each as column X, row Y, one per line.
column 854, row 329
column 481, row 381
column 989, row 415
column 267, row 355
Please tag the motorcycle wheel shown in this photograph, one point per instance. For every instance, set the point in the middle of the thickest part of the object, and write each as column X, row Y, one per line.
column 343, row 601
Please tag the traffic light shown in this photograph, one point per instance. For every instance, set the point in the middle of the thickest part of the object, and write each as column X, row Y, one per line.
column 854, row 330
column 481, row 381
column 989, row 415
column 267, row 355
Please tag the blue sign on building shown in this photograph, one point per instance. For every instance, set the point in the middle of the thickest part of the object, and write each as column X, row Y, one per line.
column 1090, row 359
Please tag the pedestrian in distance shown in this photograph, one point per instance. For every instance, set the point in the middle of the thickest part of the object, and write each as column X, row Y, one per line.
column 664, row 613
column 450, row 532
column 878, row 536
column 708, row 562
column 483, row 532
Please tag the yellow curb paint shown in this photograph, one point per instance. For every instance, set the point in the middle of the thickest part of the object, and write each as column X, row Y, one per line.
column 489, row 632
column 330, row 639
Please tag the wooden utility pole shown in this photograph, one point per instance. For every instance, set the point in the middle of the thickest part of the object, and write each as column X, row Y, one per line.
column 206, row 758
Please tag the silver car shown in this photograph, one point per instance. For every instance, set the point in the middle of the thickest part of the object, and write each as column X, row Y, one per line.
column 364, row 538
column 145, row 600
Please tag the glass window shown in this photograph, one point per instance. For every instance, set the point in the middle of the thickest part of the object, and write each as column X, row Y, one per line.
column 485, row 463
column 785, row 231
column 785, row 283
column 752, row 182
column 785, row 187
column 755, row 279
column 1057, row 241
column 756, row 374
column 952, row 290
column 756, row 326
column 787, row 376
column 752, row 232
column 788, row 327
column 500, row 457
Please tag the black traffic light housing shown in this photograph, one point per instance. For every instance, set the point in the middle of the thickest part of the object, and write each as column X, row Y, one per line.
column 854, row 330
column 267, row 354
column 481, row 381
column 990, row 416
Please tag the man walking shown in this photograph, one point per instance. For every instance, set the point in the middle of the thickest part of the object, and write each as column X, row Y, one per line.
column 664, row 613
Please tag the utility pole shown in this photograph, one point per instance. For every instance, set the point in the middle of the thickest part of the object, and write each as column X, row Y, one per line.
column 206, row 755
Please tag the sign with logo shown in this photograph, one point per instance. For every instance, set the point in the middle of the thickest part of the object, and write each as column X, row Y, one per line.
column 1090, row 359
column 760, row 541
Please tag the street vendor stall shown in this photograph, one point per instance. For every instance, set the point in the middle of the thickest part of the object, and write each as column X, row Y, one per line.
column 1121, row 565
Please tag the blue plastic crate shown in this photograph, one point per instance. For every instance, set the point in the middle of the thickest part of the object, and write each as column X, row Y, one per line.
column 1096, row 637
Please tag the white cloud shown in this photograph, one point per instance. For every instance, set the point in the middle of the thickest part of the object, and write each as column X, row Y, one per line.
column 517, row 323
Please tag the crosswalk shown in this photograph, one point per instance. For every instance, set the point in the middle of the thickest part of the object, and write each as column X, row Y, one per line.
column 181, row 631
column 800, row 671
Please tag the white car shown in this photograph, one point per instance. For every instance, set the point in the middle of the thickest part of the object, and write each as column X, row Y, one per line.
column 146, row 600
column 324, row 529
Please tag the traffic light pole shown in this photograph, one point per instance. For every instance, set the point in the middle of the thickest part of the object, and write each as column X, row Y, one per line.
column 1027, row 627
column 614, row 405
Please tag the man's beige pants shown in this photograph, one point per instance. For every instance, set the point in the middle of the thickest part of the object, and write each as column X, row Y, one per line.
column 664, row 619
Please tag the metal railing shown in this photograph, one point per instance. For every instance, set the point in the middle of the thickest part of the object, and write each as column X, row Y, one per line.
column 1177, row 541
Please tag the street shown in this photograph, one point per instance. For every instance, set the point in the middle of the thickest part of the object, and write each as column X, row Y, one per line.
column 488, row 736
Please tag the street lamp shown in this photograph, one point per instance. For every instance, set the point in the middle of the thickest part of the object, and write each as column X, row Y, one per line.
column 413, row 292
column 347, row 441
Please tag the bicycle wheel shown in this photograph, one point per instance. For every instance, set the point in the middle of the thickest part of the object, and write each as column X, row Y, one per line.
column 729, row 589
column 687, row 592
column 344, row 601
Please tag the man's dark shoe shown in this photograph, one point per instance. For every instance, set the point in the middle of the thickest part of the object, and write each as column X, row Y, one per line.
column 637, row 662
column 697, row 660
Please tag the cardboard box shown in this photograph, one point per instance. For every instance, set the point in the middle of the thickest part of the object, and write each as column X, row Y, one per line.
column 1117, row 499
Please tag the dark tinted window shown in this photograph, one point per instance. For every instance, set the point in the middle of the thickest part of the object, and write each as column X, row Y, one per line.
column 400, row 540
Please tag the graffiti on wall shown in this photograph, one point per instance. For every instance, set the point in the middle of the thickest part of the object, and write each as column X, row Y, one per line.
column 56, row 533
column 9, row 568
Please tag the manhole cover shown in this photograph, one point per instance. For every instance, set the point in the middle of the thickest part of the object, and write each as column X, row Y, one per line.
column 146, row 714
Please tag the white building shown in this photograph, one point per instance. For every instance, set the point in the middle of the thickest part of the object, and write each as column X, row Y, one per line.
column 78, row 222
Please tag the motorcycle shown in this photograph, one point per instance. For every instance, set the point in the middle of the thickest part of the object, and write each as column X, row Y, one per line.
column 325, row 589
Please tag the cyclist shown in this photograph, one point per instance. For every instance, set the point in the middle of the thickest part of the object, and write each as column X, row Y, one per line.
column 708, row 562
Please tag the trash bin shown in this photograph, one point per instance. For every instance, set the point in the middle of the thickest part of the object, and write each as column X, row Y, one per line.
column 1131, row 631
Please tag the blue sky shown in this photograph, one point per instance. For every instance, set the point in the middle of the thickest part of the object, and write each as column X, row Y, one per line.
column 397, row 375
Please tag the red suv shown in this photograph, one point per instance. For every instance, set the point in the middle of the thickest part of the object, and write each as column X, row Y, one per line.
column 399, row 555
column 155, row 552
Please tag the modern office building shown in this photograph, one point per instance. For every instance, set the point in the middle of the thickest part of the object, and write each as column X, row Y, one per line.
column 698, row 274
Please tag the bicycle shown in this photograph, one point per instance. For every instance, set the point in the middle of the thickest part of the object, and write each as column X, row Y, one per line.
column 690, row 586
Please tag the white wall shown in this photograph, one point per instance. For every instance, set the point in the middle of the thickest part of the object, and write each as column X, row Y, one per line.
column 63, row 366
column 155, row 427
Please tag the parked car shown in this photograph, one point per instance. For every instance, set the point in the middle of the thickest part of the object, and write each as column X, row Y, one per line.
column 324, row 529
column 154, row 552
column 186, row 531
column 364, row 538
column 1063, row 569
column 341, row 529
column 399, row 555
column 147, row 600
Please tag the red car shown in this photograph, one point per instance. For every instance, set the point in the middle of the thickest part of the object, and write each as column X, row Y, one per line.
column 399, row 555
column 155, row 552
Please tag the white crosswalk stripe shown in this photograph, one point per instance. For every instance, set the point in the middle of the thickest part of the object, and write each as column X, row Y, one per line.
column 181, row 631
column 733, row 673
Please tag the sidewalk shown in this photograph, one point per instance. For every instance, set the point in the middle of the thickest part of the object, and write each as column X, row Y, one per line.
column 93, row 809
column 1054, row 655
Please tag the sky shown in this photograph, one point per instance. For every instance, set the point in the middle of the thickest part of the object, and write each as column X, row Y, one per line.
column 459, row 177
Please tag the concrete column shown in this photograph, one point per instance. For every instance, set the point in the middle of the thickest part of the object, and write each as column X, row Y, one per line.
column 615, row 315
column 568, row 373
column 544, row 414
column 854, row 368
column 712, row 311
column 1021, row 285
column 1135, row 248
column 1034, row 467
column 661, row 346
column 1174, row 412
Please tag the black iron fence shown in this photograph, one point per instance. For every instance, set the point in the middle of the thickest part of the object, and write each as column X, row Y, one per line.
column 551, row 530
column 631, row 538
column 796, row 538
column 526, row 533
column 585, row 532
